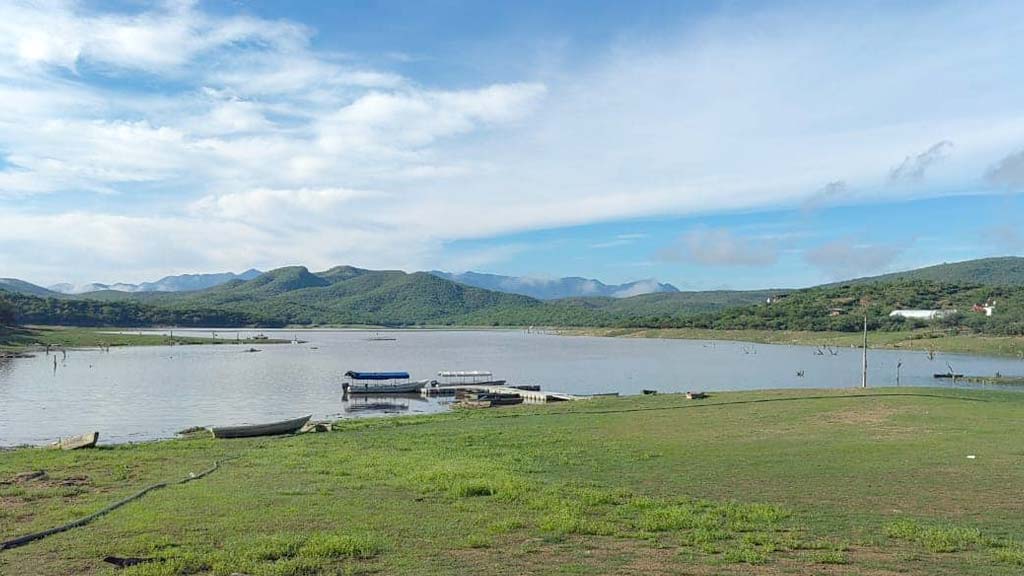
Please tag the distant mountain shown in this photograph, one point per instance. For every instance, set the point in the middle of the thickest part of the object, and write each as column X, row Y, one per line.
column 554, row 289
column 21, row 287
column 1001, row 271
column 180, row 283
column 345, row 295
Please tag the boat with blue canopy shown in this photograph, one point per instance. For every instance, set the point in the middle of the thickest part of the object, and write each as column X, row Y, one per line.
column 381, row 383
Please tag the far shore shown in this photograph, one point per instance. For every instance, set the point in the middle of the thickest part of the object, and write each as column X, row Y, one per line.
column 34, row 338
column 27, row 338
column 918, row 340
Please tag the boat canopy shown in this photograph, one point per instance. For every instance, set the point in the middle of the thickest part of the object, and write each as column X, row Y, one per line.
column 377, row 375
column 465, row 374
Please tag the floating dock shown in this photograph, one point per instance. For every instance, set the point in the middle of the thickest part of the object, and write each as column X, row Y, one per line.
column 533, row 396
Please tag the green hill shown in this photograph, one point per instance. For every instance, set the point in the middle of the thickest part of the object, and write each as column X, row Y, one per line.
column 843, row 307
column 21, row 287
column 348, row 295
column 1002, row 271
column 294, row 295
column 672, row 303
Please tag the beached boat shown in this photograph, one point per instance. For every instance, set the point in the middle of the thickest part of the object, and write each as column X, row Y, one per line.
column 382, row 383
column 271, row 429
column 696, row 395
column 75, row 442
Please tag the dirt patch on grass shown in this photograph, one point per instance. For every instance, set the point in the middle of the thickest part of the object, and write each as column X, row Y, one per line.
column 611, row 555
column 875, row 417
column 861, row 414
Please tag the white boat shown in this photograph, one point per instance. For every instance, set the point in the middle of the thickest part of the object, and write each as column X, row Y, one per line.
column 469, row 377
column 75, row 442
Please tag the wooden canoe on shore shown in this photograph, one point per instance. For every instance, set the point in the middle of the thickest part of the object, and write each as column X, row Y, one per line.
column 75, row 442
column 250, row 430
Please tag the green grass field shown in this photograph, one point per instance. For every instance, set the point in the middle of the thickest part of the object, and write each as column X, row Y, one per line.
column 777, row 482
column 34, row 337
column 924, row 339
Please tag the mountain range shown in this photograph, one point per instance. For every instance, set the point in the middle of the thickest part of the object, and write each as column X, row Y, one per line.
column 180, row 283
column 346, row 295
column 555, row 288
column 541, row 289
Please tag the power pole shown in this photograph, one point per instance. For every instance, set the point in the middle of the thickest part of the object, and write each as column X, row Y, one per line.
column 864, row 374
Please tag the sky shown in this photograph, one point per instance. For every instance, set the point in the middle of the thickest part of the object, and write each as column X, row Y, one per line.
column 723, row 144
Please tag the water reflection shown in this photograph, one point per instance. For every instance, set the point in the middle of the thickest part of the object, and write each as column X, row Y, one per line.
column 385, row 403
column 151, row 392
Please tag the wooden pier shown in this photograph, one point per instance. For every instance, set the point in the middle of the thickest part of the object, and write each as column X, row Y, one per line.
column 532, row 396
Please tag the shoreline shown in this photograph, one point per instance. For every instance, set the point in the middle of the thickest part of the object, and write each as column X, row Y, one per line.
column 917, row 341
column 564, row 481
column 34, row 338
column 21, row 340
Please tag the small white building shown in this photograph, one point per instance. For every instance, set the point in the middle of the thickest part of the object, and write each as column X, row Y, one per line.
column 921, row 314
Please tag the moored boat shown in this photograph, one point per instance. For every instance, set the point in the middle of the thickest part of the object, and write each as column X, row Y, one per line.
column 87, row 440
column 250, row 430
column 468, row 377
column 382, row 383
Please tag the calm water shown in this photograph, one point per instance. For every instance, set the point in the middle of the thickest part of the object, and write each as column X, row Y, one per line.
column 134, row 394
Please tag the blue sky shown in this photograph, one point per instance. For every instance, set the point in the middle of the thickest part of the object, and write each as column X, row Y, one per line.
column 707, row 144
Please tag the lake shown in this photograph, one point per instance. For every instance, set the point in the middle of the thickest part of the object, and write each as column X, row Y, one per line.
column 144, row 393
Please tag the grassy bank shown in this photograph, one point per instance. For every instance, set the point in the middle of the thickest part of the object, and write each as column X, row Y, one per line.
column 35, row 337
column 786, row 482
column 924, row 340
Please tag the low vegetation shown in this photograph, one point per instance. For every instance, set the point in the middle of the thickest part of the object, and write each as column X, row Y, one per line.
column 793, row 482
column 18, row 338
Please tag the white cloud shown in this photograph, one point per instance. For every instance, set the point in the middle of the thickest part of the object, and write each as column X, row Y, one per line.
column 58, row 33
column 720, row 247
column 1008, row 172
column 913, row 168
column 638, row 288
column 241, row 128
column 846, row 258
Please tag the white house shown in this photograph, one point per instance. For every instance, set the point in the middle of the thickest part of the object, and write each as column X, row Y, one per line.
column 921, row 314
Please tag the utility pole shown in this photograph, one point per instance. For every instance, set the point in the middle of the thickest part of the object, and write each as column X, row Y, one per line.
column 864, row 374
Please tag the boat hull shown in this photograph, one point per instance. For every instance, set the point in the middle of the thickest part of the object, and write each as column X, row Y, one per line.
column 251, row 430
column 76, row 442
column 400, row 388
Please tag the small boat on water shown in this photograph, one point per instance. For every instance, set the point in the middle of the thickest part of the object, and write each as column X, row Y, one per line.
column 469, row 377
column 250, row 430
column 948, row 375
column 382, row 383
column 87, row 440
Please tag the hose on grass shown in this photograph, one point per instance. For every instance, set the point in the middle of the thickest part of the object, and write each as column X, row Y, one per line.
column 28, row 538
